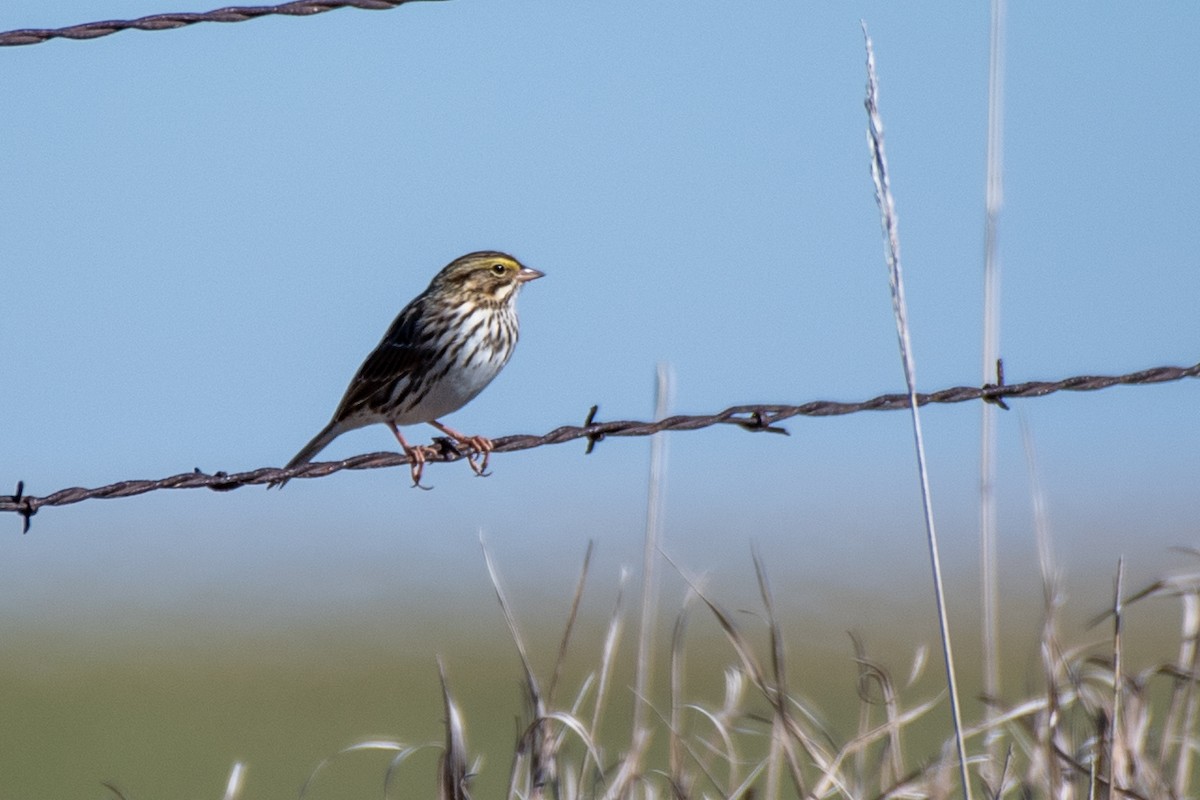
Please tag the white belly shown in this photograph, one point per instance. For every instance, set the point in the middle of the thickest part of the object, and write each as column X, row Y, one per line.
column 460, row 385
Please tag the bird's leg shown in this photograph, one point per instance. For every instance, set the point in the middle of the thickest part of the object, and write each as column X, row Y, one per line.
column 416, row 454
column 480, row 444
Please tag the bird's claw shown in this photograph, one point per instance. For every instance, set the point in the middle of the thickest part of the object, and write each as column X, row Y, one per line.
column 417, row 464
column 470, row 447
column 481, row 446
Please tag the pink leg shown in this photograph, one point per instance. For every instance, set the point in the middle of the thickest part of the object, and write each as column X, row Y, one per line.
column 417, row 454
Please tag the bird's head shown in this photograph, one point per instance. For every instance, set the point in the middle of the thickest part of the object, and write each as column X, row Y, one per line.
column 487, row 277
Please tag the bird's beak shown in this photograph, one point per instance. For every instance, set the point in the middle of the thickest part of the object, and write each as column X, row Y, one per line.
column 526, row 274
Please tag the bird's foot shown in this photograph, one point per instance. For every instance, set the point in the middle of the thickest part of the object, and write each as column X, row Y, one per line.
column 416, row 464
column 477, row 448
column 479, row 459
column 416, row 456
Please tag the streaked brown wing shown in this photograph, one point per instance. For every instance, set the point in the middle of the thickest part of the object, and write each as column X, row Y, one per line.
column 398, row 354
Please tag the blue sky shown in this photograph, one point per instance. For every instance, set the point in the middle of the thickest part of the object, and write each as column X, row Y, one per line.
column 206, row 230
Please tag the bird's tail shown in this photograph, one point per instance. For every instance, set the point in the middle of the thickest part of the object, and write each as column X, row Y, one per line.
column 310, row 450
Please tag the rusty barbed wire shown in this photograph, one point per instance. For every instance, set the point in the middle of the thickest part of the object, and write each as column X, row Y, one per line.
column 749, row 417
column 170, row 21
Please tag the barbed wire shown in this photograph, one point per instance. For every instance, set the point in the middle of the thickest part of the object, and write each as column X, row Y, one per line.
column 748, row 417
column 170, row 21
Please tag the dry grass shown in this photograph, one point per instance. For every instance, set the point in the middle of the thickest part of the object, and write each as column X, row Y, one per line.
column 1091, row 731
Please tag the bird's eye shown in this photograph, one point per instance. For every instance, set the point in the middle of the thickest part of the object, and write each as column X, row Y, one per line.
column 498, row 269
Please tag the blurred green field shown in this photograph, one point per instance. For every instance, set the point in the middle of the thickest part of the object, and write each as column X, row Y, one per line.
column 166, row 711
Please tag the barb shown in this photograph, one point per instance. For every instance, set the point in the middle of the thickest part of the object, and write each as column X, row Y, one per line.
column 755, row 418
column 163, row 22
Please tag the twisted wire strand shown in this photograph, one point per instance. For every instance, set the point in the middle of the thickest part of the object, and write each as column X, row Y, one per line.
column 170, row 21
column 750, row 417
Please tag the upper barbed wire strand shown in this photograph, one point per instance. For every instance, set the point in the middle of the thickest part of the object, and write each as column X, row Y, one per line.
column 170, row 21
column 750, row 417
